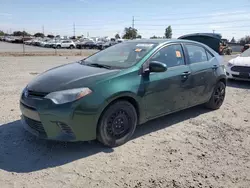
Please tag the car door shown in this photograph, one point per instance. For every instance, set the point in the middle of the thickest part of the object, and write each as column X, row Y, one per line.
column 63, row 44
column 168, row 91
column 202, row 72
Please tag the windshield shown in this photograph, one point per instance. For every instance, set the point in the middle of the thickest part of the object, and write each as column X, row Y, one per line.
column 246, row 53
column 122, row 55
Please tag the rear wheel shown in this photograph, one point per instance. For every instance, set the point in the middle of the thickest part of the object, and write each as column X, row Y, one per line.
column 71, row 47
column 58, row 46
column 217, row 97
column 117, row 124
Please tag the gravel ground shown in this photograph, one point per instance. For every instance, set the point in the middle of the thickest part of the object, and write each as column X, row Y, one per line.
column 192, row 148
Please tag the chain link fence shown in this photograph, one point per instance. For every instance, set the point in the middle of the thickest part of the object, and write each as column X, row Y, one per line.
column 8, row 48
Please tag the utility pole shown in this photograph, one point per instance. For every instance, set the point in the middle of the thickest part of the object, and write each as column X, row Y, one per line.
column 213, row 31
column 43, row 29
column 23, row 43
column 74, row 30
column 133, row 25
column 133, row 22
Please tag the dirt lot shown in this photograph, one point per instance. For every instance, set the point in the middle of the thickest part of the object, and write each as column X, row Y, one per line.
column 192, row 148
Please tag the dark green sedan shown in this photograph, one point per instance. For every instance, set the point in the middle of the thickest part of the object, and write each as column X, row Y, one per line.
column 106, row 95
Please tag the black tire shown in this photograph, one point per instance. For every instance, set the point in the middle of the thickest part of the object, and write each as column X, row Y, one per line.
column 117, row 124
column 217, row 97
column 58, row 46
column 224, row 52
column 71, row 47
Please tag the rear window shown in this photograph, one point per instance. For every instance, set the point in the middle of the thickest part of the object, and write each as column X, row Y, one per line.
column 209, row 55
column 212, row 42
column 196, row 53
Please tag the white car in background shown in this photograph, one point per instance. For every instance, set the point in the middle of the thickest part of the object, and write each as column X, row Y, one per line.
column 239, row 67
column 65, row 44
column 28, row 42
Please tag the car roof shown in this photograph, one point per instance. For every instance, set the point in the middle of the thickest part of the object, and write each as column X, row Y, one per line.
column 156, row 41
column 161, row 41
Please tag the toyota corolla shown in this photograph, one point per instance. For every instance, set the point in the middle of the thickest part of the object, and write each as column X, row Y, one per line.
column 106, row 95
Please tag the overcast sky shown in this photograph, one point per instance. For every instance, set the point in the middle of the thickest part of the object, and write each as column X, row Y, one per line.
column 108, row 17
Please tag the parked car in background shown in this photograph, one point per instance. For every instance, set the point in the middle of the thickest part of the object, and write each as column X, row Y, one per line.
column 109, row 43
column 109, row 93
column 245, row 47
column 65, row 44
column 10, row 39
column 53, row 43
column 43, row 43
column 28, row 42
column 49, row 44
column 56, row 44
column 239, row 68
column 86, row 45
column 99, row 45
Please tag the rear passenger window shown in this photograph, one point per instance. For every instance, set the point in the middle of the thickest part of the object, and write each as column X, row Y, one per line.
column 209, row 55
column 196, row 54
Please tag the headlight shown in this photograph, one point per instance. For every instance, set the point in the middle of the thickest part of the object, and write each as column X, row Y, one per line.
column 229, row 64
column 65, row 96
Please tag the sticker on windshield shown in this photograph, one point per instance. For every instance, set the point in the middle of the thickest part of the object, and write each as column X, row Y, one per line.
column 138, row 49
column 144, row 45
column 178, row 53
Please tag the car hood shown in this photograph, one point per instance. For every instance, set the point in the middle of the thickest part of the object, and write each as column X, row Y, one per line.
column 241, row 61
column 69, row 76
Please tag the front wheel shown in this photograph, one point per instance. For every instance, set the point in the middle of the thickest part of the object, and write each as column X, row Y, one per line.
column 217, row 97
column 117, row 124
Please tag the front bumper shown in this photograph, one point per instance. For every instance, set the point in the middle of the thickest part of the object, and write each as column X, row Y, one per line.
column 244, row 76
column 63, row 123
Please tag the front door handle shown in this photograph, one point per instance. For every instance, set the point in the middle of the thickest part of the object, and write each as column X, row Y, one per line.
column 185, row 75
column 215, row 67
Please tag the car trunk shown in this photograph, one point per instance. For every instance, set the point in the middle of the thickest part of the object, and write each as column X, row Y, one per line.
column 213, row 41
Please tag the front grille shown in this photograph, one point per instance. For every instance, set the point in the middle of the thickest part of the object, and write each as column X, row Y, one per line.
column 36, row 94
column 240, row 69
column 36, row 125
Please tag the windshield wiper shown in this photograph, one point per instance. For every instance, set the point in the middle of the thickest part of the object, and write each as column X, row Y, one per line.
column 98, row 65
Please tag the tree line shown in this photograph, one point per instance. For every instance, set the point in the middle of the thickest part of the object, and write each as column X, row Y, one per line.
column 132, row 33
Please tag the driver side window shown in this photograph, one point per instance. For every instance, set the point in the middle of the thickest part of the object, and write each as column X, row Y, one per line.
column 171, row 55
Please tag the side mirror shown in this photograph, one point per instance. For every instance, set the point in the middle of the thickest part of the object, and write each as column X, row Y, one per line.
column 156, row 66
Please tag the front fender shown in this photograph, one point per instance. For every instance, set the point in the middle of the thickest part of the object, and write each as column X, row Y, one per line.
column 123, row 94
